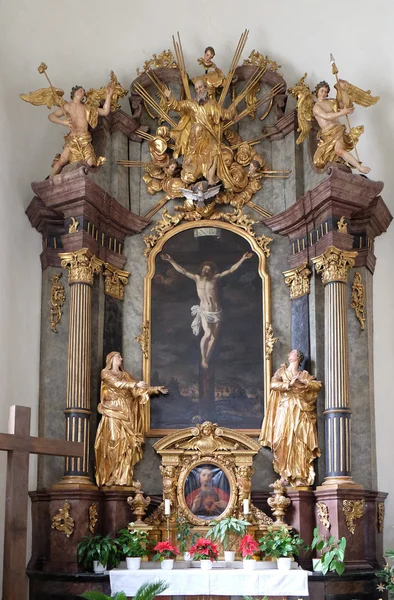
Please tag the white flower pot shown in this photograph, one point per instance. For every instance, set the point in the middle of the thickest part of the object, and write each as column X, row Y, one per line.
column 229, row 555
column 268, row 564
column 167, row 564
column 133, row 562
column 315, row 563
column 187, row 557
column 249, row 564
column 98, row 567
column 206, row 564
column 284, row 563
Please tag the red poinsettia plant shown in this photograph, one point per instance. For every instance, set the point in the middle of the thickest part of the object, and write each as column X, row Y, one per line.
column 165, row 550
column 248, row 546
column 204, row 549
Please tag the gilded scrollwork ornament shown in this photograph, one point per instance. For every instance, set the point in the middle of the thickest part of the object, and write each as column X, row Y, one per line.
column 358, row 299
column 73, row 227
column 93, row 514
column 322, row 511
column 353, row 509
column 115, row 281
column 63, row 521
column 256, row 59
column 270, row 340
column 144, row 339
column 342, row 225
column 380, row 511
column 298, row 280
column 82, row 265
column 58, row 297
column 334, row 264
column 164, row 59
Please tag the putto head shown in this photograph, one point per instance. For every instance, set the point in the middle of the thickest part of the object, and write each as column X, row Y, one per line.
column 75, row 89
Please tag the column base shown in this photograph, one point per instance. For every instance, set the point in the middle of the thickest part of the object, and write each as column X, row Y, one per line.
column 78, row 482
column 340, row 481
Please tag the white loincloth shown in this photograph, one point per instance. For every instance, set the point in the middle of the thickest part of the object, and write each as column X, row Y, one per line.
column 209, row 316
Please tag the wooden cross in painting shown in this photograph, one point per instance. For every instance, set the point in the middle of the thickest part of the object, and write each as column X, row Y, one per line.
column 19, row 444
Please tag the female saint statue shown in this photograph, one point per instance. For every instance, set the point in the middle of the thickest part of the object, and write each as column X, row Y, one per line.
column 120, row 434
column 289, row 426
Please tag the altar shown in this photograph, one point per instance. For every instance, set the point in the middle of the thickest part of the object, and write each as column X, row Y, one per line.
column 219, row 581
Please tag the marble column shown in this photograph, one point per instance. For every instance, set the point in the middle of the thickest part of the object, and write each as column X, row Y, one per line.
column 82, row 265
column 333, row 265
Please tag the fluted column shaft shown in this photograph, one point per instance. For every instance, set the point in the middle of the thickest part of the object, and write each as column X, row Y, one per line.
column 333, row 266
column 82, row 266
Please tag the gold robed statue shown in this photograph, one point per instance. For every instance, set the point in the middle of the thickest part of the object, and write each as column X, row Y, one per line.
column 120, row 434
column 77, row 115
column 335, row 140
column 289, row 426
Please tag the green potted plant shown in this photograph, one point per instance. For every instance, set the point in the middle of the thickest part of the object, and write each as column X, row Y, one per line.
column 132, row 546
column 166, row 552
column 280, row 544
column 386, row 575
column 332, row 553
column 97, row 551
column 184, row 536
column 227, row 531
column 205, row 551
column 147, row 591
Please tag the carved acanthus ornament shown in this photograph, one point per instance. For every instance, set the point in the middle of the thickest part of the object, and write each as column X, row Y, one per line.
column 58, row 298
column 342, row 225
column 63, row 521
column 322, row 511
column 298, row 280
column 164, row 59
column 270, row 340
column 278, row 503
column 115, row 281
column 73, row 227
column 334, row 264
column 144, row 339
column 93, row 513
column 237, row 217
column 138, row 504
column 256, row 59
column 82, row 265
column 358, row 299
column 380, row 509
column 353, row 509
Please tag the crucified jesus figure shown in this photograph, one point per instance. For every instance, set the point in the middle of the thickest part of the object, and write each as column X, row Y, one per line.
column 207, row 315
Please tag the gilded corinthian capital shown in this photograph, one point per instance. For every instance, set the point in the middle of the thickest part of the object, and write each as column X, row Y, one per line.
column 298, row 281
column 334, row 264
column 82, row 265
column 115, row 281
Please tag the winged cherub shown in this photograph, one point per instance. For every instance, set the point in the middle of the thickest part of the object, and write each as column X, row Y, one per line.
column 334, row 142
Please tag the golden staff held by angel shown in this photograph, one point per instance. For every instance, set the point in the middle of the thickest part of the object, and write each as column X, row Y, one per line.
column 335, row 141
column 77, row 115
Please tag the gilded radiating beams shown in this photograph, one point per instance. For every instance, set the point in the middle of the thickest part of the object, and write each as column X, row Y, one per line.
column 358, row 299
column 82, row 265
column 115, row 281
column 63, row 521
column 334, row 264
column 298, row 280
column 58, row 298
column 322, row 511
column 353, row 509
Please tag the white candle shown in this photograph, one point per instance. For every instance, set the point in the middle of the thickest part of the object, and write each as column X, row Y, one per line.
column 246, row 506
column 167, row 507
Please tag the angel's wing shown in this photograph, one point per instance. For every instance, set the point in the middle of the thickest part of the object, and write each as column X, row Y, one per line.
column 94, row 97
column 304, row 106
column 49, row 96
column 348, row 93
column 189, row 194
column 211, row 192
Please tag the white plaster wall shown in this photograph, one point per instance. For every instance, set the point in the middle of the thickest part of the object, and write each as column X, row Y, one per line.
column 82, row 41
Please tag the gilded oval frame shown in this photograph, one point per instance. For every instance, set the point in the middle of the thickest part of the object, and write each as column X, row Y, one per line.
column 266, row 308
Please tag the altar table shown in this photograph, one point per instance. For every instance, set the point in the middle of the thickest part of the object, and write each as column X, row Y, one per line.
column 216, row 582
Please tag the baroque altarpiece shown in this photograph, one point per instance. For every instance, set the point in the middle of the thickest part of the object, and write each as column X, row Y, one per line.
column 205, row 179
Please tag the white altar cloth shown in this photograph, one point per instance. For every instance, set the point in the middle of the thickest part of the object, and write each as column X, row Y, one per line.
column 219, row 582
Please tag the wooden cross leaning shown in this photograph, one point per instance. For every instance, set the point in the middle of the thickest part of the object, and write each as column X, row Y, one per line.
column 19, row 444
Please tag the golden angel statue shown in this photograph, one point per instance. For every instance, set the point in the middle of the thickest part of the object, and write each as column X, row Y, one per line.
column 289, row 426
column 120, row 434
column 77, row 115
column 334, row 141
